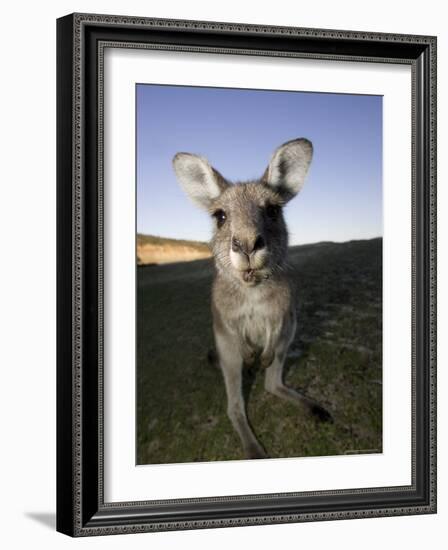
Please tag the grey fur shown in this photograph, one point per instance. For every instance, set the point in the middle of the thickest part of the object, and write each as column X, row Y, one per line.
column 253, row 305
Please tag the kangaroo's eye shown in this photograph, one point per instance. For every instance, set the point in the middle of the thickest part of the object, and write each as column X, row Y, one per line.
column 273, row 211
column 220, row 217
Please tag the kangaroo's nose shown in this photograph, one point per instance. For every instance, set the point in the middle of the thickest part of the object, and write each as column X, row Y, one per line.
column 248, row 246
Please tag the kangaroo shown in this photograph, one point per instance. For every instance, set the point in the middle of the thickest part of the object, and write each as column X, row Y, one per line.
column 253, row 305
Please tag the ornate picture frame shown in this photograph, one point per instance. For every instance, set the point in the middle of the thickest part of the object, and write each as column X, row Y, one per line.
column 81, row 506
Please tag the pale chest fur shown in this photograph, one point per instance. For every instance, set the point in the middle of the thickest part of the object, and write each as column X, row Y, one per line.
column 256, row 316
column 255, row 319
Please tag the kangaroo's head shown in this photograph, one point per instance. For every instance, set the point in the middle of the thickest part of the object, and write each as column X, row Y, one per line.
column 250, row 238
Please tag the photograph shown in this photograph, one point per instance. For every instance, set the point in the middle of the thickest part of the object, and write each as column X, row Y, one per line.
column 246, row 274
column 259, row 273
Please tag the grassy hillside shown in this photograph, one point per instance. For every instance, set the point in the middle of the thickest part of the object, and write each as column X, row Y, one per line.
column 335, row 358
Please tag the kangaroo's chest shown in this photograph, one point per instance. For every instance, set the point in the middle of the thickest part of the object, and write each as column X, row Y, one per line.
column 258, row 319
column 255, row 317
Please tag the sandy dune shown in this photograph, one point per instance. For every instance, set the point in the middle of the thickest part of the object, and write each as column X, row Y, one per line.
column 156, row 250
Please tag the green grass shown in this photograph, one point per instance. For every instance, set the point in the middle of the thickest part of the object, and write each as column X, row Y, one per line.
column 336, row 358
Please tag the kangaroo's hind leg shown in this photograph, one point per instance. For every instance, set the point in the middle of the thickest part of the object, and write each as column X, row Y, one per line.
column 274, row 383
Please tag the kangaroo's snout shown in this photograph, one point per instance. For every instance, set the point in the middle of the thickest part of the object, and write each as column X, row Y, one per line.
column 241, row 261
column 248, row 251
column 247, row 241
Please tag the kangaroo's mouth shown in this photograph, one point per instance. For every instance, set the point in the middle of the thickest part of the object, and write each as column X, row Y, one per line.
column 249, row 275
column 254, row 276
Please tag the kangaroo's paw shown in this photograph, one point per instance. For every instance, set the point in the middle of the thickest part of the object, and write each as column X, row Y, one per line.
column 321, row 413
column 256, row 451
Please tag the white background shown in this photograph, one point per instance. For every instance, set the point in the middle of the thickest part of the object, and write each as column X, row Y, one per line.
column 124, row 481
column 27, row 229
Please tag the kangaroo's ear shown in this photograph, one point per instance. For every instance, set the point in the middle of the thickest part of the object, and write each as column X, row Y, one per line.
column 288, row 168
column 202, row 183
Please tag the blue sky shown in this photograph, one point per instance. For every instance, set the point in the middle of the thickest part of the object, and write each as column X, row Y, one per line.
column 237, row 131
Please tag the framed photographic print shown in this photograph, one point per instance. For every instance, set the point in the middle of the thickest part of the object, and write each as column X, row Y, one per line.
column 246, row 274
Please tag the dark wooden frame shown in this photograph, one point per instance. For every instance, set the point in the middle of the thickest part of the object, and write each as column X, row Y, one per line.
column 81, row 510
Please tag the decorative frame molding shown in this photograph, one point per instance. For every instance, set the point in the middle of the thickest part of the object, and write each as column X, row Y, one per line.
column 81, row 510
